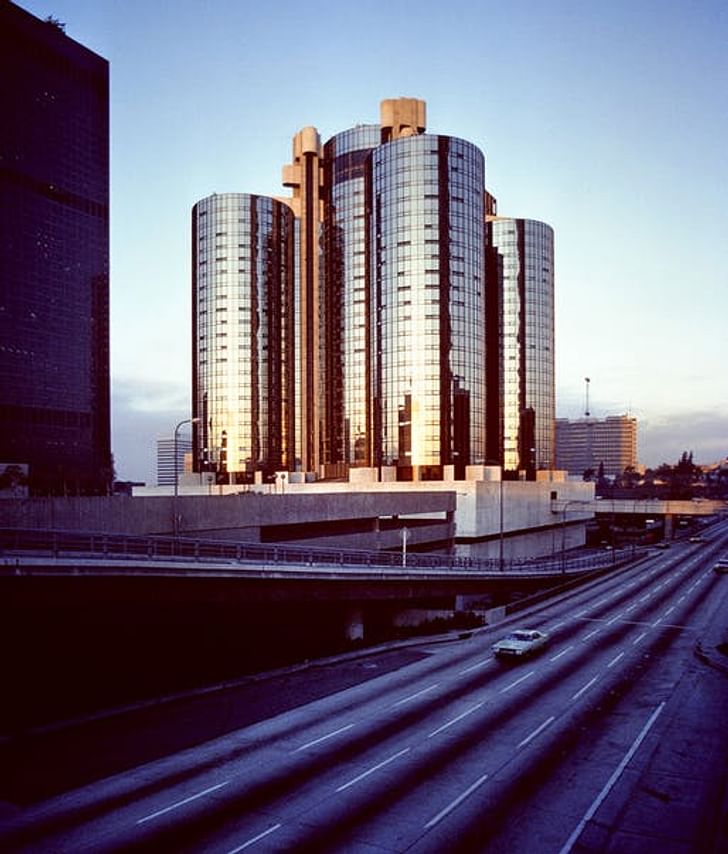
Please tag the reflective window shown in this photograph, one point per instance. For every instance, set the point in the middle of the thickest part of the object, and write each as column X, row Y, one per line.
column 243, row 336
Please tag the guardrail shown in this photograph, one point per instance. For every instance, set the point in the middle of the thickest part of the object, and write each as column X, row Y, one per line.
column 123, row 546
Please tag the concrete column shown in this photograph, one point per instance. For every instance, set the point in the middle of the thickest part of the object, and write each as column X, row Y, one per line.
column 354, row 624
column 669, row 524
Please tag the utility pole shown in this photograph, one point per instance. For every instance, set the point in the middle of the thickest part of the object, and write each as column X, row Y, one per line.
column 586, row 408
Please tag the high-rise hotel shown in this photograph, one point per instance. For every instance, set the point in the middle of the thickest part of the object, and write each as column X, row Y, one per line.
column 383, row 317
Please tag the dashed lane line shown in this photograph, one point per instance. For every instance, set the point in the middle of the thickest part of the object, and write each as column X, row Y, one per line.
column 475, row 666
column 373, row 769
column 456, row 720
column 585, row 688
column 536, row 732
column 517, row 682
column 456, row 803
column 323, row 738
column 254, row 839
column 182, row 802
column 563, row 652
column 416, row 695
column 615, row 659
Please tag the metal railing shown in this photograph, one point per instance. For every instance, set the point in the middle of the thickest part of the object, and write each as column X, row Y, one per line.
column 58, row 544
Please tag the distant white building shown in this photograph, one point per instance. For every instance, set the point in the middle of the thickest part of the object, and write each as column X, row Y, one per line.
column 165, row 459
column 585, row 443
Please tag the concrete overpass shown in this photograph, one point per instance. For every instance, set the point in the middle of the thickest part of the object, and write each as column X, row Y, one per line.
column 645, row 506
column 104, row 628
column 667, row 509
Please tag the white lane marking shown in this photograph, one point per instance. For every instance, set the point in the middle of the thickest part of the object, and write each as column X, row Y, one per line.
column 637, row 640
column 681, row 599
column 535, row 732
column 591, row 634
column 657, row 622
column 557, row 625
column 455, row 720
column 601, row 797
column 517, row 682
column 323, row 738
column 669, row 611
column 475, row 666
column 563, row 652
column 415, row 696
column 182, row 802
column 630, row 609
column 615, row 659
column 581, row 613
column 373, row 769
column 585, row 688
column 456, row 803
column 645, row 597
column 254, row 839
column 613, row 620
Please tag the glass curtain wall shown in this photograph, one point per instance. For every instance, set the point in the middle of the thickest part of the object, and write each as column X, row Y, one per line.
column 426, row 270
column 243, row 343
column 347, row 299
column 526, row 250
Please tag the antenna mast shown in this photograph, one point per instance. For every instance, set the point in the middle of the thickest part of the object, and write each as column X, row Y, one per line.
column 586, row 408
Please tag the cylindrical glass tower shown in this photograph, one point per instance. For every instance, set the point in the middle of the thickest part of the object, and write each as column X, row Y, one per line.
column 243, row 335
column 425, row 270
column 347, row 298
column 526, row 249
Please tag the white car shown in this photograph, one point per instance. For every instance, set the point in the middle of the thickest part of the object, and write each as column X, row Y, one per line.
column 520, row 643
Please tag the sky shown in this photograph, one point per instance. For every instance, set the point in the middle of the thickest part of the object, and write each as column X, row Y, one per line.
column 609, row 121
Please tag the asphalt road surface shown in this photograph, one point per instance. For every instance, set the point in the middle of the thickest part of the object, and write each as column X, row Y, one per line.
column 614, row 739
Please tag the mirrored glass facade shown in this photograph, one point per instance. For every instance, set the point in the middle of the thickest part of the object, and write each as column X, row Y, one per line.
column 347, row 328
column 527, row 391
column 426, row 270
column 243, row 335
column 397, row 322
column 54, row 257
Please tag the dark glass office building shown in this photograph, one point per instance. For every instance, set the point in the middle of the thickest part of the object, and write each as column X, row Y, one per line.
column 54, row 257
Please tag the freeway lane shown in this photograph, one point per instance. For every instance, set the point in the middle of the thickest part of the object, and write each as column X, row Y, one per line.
column 455, row 750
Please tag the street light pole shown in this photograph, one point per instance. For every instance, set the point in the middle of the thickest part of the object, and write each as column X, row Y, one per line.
column 500, row 512
column 175, row 520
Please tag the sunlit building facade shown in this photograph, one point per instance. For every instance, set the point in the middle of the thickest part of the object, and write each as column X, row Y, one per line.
column 348, row 303
column 525, row 351
column 243, row 336
column 304, row 176
column 415, row 327
column 426, row 267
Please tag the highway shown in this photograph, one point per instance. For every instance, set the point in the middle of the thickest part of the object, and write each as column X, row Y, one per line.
column 608, row 740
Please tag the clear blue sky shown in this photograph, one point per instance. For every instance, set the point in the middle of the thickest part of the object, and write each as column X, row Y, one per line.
column 609, row 121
